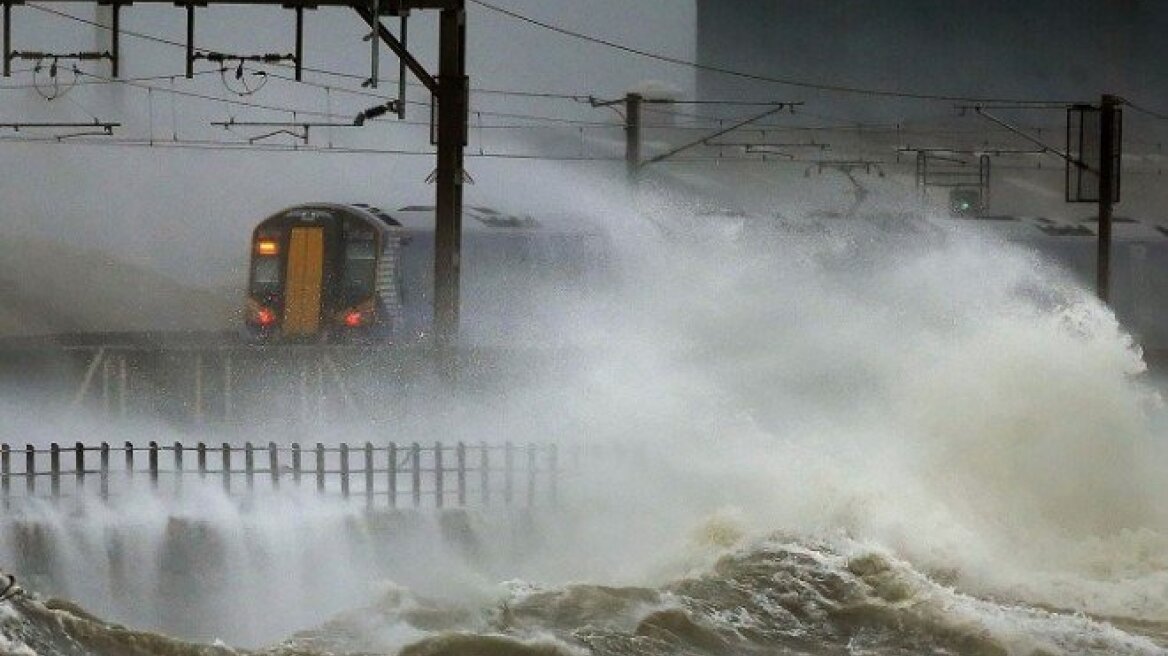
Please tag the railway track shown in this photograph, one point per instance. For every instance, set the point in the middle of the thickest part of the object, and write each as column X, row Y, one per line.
column 205, row 377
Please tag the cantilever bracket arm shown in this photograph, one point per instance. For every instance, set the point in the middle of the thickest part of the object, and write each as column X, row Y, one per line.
column 302, row 136
column 1046, row 148
column 396, row 46
column 698, row 142
column 105, row 126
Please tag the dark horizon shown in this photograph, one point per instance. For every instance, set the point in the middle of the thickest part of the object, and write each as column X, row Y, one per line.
column 1044, row 49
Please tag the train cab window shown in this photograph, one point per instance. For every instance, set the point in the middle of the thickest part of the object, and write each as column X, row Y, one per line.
column 360, row 268
column 265, row 275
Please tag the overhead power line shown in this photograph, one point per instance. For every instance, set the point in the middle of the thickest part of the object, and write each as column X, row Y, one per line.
column 201, row 96
column 227, row 146
column 321, row 71
column 316, row 112
column 215, row 145
column 79, row 19
column 518, row 93
column 1144, row 110
column 101, row 81
column 175, row 44
column 555, row 122
column 370, row 94
column 138, row 83
column 631, row 50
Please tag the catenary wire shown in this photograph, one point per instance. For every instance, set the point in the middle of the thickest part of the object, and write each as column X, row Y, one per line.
column 576, row 97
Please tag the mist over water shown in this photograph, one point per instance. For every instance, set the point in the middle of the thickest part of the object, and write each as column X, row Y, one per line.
column 816, row 430
column 905, row 383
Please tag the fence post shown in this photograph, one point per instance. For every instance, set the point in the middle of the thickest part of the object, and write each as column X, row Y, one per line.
column 344, row 470
column 178, row 465
column 55, row 469
column 154, row 464
column 508, row 472
column 485, row 472
column 531, row 471
column 416, row 456
column 105, row 465
column 319, row 467
column 227, row 468
column 249, row 465
column 79, row 466
column 274, row 464
column 201, row 456
column 369, row 474
column 129, row 459
column 554, row 473
column 296, row 463
column 30, row 469
column 460, row 457
column 5, row 471
column 391, row 473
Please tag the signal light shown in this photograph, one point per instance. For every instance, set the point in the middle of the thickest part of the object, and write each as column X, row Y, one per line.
column 265, row 317
column 966, row 202
column 267, row 247
column 353, row 318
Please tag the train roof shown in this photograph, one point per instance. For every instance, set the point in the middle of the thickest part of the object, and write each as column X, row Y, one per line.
column 476, row 219
column 487, row 220
column 483, row 219
column 373, row 216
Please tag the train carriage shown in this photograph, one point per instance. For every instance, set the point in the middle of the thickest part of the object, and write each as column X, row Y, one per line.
column 330, row 272
column 325, row 272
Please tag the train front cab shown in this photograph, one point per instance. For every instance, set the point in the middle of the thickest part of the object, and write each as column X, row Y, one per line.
column 314, row 277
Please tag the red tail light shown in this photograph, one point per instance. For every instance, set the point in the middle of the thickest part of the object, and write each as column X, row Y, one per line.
column 354, row 318
column 265, row 317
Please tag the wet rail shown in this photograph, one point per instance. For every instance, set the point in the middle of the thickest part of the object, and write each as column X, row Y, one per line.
column 389, row 475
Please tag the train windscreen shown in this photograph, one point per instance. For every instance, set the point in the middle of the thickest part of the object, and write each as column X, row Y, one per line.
column 265, row 276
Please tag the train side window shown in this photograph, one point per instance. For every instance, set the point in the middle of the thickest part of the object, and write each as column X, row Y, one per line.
column 360, row 268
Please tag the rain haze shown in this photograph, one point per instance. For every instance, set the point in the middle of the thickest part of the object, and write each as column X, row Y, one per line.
column 701, row 327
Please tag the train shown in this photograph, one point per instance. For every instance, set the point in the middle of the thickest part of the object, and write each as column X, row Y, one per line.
column 330, row 272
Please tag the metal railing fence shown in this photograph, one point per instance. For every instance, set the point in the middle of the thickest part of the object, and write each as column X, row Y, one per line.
column 390, row 474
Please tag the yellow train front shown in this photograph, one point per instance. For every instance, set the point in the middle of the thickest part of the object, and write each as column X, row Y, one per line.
column 324, row 272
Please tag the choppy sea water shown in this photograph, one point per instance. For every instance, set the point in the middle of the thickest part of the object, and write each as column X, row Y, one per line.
column 775, row 596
